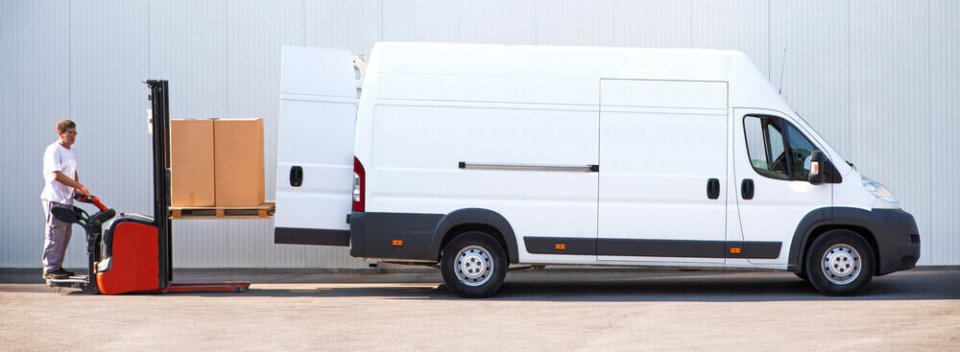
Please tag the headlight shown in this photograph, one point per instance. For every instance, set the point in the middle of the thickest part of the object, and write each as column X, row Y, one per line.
column 879, row 190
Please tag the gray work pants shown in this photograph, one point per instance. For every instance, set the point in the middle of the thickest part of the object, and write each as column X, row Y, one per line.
column 56, row 238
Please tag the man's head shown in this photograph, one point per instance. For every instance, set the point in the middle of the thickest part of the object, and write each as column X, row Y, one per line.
column 67, row 130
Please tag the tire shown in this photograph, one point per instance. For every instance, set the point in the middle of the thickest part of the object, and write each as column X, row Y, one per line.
column 840, row 262
column 473, row 264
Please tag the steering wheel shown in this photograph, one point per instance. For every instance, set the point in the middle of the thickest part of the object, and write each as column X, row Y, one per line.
column 778, row 163
column 102, row 216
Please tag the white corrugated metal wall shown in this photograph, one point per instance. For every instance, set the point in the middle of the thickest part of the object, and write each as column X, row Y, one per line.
column 878, row 78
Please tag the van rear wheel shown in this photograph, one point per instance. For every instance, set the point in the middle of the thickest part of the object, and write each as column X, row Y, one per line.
column 473, row 264
column 840, row 262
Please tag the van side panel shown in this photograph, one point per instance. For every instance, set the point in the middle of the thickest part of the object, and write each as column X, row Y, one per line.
column 418, row 148
column 486, row 89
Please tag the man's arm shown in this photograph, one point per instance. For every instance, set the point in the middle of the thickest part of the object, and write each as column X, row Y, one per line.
column 60, row 177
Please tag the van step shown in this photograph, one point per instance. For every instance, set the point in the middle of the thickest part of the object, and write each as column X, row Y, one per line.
column 261, row 211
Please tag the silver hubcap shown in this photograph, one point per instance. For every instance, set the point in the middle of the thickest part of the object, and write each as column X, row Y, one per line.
column 474, row 266
column 841, row 264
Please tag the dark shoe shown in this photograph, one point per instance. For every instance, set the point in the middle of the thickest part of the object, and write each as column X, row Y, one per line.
column 69, row 273
column 58, row 274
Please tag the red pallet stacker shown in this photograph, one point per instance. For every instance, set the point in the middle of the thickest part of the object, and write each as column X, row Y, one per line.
column 133, row 254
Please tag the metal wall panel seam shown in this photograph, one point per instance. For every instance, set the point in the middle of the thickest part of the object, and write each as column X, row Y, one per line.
column 929, row 57
column 849, row 82
column 303, row 11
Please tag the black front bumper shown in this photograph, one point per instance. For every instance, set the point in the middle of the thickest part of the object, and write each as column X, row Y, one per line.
column 898, row 239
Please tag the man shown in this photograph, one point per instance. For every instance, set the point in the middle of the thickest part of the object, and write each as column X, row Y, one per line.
column 62, row 180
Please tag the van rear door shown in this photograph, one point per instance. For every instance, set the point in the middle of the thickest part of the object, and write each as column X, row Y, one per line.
column 318, row 105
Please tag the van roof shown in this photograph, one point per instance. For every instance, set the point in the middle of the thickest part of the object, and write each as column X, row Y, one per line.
column 747, row 86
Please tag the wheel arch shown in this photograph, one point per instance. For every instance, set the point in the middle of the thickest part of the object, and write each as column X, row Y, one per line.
column 475, row 219
column 821, row 220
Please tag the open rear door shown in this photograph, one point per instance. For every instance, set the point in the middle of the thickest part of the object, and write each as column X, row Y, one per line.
column 318, row 108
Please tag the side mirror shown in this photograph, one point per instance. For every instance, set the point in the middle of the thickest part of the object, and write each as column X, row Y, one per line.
column 821, row 169
column 67, row 215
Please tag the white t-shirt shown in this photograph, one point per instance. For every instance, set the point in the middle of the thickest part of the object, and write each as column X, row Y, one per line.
column 58, row 158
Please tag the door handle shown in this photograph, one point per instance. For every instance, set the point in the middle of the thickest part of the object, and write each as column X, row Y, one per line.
column 746, row 188
column 713, row 188
column 296, row 176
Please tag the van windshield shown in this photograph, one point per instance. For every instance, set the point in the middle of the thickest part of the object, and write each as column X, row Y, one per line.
column 806, row 125
column 800, row 150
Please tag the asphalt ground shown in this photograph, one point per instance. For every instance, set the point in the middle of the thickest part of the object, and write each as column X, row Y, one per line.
column 550, row 310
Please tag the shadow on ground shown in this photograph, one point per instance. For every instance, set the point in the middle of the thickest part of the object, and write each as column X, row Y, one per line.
column 577, row 286
column 685, row 288
column 557, row 285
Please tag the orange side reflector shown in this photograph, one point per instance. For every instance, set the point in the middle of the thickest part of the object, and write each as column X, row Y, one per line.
column 560, row 246
column 398, row 243
column 734, row 250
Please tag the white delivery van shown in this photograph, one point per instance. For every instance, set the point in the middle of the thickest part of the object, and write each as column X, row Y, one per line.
column 477, row 157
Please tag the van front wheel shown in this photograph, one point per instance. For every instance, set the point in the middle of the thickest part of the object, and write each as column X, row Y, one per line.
column 840, row 262
column 473, row 264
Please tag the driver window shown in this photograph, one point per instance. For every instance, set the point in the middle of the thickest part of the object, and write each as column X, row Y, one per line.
column 765, row 146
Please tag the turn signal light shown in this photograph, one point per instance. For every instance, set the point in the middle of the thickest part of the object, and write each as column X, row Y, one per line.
column 734, row 250
column 398, row 243
column 560, row 246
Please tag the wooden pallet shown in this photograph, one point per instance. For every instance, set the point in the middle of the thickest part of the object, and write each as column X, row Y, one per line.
column 261, row 212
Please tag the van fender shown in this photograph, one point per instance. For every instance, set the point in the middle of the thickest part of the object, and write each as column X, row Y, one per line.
column 475, row 216
column 810, row 222
column 890, row 229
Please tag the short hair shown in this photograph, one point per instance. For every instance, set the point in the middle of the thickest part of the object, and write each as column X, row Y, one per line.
column 65, row 125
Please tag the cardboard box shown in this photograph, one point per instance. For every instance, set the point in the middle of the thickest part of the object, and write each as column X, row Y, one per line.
column 191, row 163
column 238, row 162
